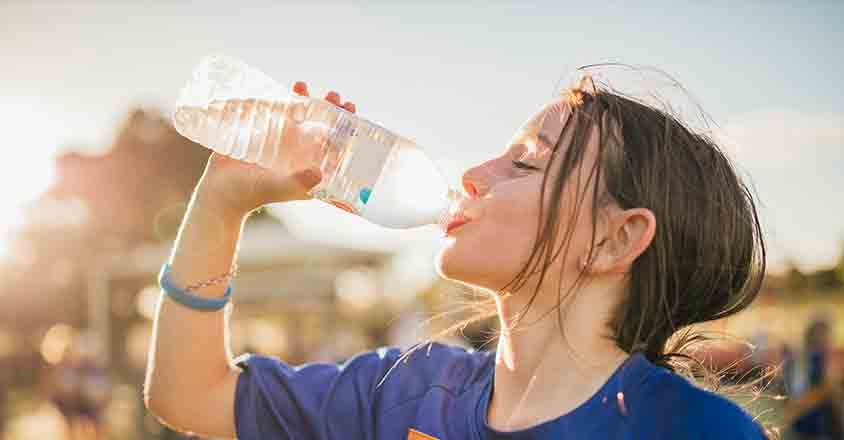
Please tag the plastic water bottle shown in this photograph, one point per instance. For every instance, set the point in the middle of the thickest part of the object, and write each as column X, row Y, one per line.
column 367, row 170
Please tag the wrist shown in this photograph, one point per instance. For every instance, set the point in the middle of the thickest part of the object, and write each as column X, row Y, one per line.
column 207, row 198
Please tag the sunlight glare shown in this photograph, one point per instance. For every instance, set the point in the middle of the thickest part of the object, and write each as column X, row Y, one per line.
column 32, row 138
column 56, row 342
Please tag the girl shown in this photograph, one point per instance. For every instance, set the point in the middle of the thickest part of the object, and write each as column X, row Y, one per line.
column 603, row 228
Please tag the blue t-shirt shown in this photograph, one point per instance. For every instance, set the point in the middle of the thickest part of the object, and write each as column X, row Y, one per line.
column 441, row 392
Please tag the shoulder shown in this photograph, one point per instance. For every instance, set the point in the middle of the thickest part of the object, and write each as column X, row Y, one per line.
column 448, row 368
column 670, row 404
column 366, row 366
column 388, row 371
column 436, row 364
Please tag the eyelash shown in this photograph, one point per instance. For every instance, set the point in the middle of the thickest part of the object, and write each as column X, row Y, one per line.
column 524, row 166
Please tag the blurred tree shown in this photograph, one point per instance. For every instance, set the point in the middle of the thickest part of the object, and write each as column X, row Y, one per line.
column 831, row 278
column 825, row 279
column 774, row 284
column 797, row 280
column 138, row 190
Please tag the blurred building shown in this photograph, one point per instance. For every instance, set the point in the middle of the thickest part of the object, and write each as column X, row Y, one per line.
column 89, row 253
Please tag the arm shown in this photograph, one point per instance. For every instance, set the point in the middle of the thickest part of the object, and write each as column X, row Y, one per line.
column 191, row 382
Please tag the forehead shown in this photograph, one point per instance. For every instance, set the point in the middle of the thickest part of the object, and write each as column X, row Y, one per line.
column 542, row 130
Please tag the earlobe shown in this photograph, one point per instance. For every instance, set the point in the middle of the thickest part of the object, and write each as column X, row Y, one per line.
column 628, row 238
column 584, row 264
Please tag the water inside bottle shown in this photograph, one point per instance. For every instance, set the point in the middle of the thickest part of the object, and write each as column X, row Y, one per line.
column 367, row 170
column 410, row 191
column 245, row 129
column 383, row 177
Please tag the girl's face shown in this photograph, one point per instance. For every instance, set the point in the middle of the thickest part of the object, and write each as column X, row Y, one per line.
column 503, row 210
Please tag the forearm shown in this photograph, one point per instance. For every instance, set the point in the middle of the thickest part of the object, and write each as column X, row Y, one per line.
column 189, row 352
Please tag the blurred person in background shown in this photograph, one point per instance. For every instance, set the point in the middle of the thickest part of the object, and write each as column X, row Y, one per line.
column 603, row 230
column 80, row 388
column 787, row 373
column 815, row 397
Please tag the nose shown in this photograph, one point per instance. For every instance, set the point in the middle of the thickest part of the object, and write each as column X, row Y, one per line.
column 470, row 188
column 472, row 183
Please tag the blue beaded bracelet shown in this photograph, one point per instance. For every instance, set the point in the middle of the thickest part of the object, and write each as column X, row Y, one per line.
column 187, row 299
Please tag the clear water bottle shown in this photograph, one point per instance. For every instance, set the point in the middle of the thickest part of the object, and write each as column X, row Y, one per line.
column 367, row 170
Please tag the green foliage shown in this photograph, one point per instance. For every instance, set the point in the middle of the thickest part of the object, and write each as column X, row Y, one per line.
column 825, row 279
column 797, row 281
column 839, row 266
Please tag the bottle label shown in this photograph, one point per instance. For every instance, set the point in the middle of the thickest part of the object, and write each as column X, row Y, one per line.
column 363, row 149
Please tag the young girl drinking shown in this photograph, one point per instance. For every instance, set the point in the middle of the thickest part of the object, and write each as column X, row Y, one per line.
column 604, row 227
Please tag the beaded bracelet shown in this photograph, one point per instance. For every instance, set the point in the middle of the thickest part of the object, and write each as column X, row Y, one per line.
column 195, row 302
column 216, row 280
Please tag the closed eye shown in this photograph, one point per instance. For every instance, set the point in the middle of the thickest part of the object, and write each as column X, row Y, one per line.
column 524, row 166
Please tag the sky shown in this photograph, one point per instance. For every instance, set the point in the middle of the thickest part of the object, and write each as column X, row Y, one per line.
column 457, row 77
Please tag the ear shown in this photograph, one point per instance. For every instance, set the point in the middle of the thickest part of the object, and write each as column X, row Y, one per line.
column 628, row 235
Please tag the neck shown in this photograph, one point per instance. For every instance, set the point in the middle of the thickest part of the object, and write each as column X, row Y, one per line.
column 542, row 370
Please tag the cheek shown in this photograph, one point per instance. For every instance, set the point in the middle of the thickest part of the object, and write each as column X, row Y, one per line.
column 575, row 221
column 491, row 251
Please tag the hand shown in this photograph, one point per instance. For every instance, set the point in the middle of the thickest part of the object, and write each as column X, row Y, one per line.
column 240, row 187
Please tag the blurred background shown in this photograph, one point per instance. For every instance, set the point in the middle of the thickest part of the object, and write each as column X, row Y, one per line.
column 95, row 179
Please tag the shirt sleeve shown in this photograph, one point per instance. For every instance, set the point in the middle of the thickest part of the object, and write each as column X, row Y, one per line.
column 317, row 401
column 723, row 419
column 671, row 408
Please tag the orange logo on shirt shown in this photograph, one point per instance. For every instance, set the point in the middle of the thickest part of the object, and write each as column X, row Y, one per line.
column 413, row 434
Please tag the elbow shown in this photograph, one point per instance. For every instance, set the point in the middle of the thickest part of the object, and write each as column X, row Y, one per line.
column 160, row 404
column 157, row 398
column 154, row 400
column 205, row 414
column 158, row 407
column 187, row 408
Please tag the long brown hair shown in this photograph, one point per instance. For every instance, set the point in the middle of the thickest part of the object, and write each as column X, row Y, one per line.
column 707, row 258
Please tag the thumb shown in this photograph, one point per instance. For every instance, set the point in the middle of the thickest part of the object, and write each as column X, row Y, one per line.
column 308, row 178
column 293, row 186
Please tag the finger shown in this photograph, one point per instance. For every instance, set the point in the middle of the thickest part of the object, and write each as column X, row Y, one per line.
column 333, row 97
column 300, row 88
column 308, row 178
column 349, row 106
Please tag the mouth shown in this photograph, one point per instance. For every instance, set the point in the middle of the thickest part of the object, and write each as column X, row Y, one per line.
column 461, row 214
column 455, row 223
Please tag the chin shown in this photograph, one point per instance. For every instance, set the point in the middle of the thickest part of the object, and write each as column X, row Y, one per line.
column 451, row 265
column 444, row 264
column 454, row 266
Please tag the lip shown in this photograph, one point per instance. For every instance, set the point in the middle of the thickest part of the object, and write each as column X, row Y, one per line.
column 454, row 224
column 460, row 215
